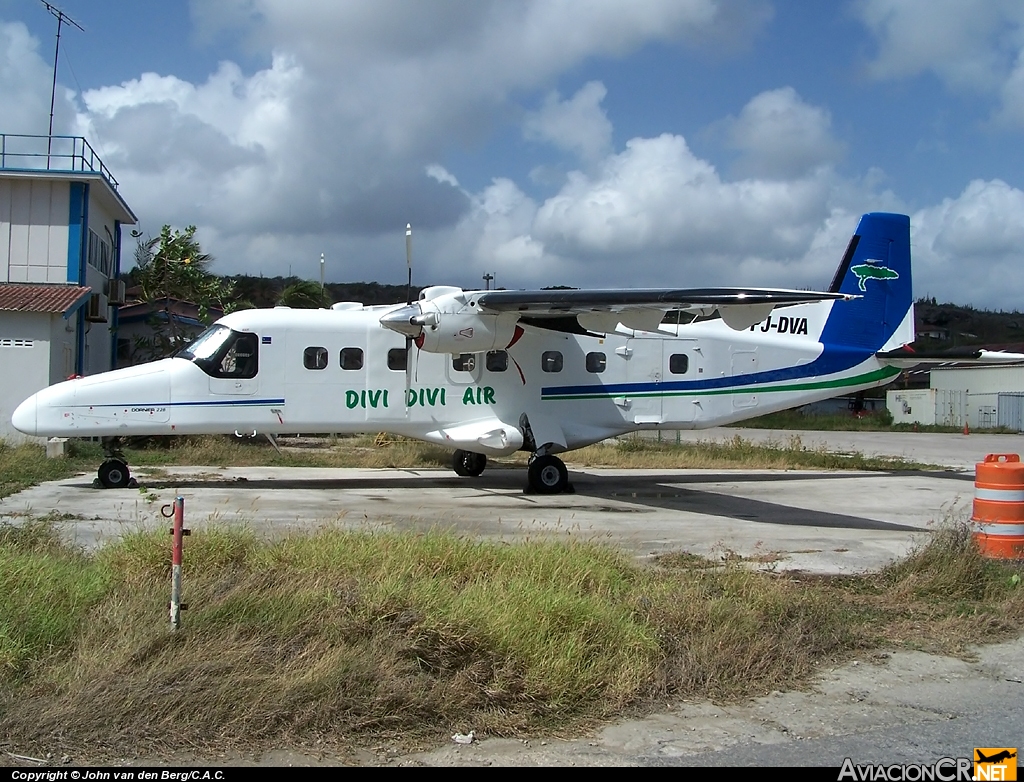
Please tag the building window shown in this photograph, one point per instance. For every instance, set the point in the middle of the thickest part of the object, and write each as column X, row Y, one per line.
column 596, row 362
column 678, row 363
column 351, row 358
column 497, row 361
column 99, row 254
column 464, row 362
column 398, row 359
column 551, row 361
column 314, row 358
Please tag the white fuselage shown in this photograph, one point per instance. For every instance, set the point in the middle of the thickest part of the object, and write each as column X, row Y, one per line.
column 689, row 376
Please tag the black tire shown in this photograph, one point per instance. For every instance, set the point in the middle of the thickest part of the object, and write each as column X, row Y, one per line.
column 468, row 464
column 547, row 475
column 114, row 474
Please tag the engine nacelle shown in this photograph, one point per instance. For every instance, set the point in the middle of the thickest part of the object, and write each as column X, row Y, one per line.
column 467, row 332
column 448, row 321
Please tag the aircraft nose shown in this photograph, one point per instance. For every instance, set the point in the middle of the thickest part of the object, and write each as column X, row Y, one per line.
column 24, row 418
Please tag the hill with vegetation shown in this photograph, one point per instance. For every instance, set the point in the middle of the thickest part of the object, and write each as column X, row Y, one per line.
column 953, row 325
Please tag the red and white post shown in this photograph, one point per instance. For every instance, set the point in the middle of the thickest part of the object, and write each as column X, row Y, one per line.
column 178, row 531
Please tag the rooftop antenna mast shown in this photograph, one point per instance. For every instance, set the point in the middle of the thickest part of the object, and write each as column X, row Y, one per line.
column 61, row 19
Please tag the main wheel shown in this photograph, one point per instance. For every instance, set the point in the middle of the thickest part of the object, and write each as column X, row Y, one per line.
column 114, row 474
column 469, row 464
column 547, row 475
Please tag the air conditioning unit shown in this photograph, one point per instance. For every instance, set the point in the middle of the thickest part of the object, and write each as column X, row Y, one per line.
column 115, row 292
column 96, row 309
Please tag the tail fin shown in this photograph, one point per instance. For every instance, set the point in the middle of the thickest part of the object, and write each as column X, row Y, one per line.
column 876, row 269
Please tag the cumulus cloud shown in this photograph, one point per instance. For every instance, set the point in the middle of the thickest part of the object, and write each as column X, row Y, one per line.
column 335, row 145
column 578, row 125
column 968, row 249
column 657, row 214
column 781, row 136
column 335, row 138
column 25, row 82
column 971, row 45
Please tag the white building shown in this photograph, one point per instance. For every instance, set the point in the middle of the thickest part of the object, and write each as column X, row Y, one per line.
column 61, row 218
column 980, row 396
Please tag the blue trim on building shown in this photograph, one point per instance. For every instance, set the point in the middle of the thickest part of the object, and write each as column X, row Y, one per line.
column 114, row 320
column 83, row 252
column 76, row 216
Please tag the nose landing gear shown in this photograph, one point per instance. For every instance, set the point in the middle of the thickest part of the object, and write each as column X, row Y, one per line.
column 113, row 472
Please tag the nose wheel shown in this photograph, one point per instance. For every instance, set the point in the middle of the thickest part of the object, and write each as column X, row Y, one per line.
column 547, row 475
column 469, row 464
column 114, row 474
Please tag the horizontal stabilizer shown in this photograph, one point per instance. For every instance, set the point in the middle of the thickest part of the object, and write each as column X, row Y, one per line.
column 904, row 358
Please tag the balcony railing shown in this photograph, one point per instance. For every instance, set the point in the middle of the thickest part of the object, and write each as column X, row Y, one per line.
column 60, row 154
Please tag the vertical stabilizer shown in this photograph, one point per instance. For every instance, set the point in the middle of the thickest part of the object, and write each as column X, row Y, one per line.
column 876, row 269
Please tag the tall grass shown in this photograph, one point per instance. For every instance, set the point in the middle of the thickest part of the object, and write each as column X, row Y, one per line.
column 737, row 452
column 344, row 637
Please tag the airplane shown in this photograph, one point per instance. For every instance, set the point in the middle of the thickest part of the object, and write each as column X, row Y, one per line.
column 996, row 758
column 499, row 371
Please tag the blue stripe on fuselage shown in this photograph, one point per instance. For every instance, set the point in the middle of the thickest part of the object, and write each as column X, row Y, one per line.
column 834, row 359
column 204, row 403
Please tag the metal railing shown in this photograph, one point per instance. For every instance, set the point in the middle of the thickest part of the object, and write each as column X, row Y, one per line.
column 51, row 153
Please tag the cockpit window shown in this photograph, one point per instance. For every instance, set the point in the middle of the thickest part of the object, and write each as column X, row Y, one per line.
column 221, row 352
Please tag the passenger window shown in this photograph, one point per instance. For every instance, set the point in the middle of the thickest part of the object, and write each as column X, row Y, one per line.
column 398, row 359
column 551, row 361
column 497, row 361
column 351, row 358
column 240, row 358
column 314, row 358
column 596, row 362
column 678, row 363
column 464, row 362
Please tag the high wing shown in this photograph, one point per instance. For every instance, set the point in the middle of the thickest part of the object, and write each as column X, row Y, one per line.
column 644, row 308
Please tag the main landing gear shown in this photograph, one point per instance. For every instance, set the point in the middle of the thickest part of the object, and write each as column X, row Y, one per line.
column 114, row 472
column 546, row 473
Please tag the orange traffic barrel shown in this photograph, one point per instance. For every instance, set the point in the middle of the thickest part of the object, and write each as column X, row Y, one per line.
column 998, row 518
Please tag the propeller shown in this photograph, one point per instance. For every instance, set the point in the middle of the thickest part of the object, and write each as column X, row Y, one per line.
column 408, row 302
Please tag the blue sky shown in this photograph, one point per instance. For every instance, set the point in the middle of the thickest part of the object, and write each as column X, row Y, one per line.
column 596, row 144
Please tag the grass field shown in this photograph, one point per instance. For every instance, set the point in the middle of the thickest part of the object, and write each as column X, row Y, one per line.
column 347, row 637
column 343, row 639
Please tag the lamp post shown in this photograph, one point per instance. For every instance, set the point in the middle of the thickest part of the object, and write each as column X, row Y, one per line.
column 321, row 274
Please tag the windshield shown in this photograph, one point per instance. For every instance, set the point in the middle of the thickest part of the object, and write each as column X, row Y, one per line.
column 206, row 344
column 221, row 352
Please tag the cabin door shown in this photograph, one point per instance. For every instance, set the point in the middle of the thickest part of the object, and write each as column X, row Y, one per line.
column 645, row 374
column 743, row 365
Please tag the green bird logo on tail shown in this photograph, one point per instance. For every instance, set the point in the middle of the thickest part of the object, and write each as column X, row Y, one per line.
column 869, row 270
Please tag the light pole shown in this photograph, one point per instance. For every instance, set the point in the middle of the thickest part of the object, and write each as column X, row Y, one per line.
column 487, row 279
column 321, row 275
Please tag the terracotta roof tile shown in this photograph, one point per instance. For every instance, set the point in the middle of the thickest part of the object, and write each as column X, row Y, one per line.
column 21, row 297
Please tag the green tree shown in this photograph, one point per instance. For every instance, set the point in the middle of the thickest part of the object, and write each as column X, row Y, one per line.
column 304, row 294
column 173, row 274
